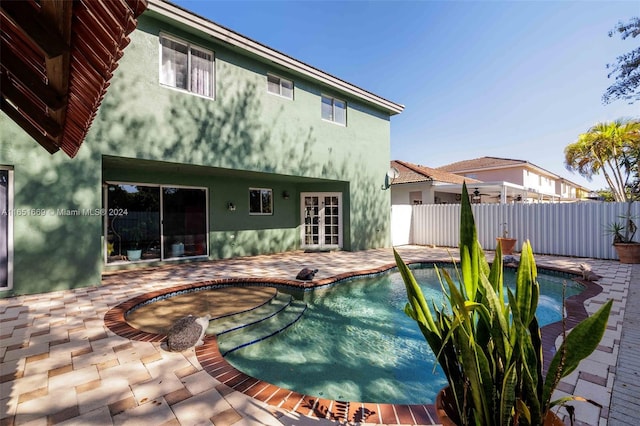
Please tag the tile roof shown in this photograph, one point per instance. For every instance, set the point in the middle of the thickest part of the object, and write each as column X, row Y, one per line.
column 413, row 173
column 482, row 163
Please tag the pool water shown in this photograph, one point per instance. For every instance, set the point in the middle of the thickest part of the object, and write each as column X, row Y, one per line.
column 355, row 343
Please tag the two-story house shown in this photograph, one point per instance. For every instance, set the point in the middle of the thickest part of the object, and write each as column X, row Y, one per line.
column 207, row 145
column 531, row 182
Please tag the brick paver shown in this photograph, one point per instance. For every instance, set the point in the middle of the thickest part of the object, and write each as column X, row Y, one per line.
column 625, row 397
column 60, row 363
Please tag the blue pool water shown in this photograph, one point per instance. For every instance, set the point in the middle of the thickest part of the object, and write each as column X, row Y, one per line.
column 355, row 343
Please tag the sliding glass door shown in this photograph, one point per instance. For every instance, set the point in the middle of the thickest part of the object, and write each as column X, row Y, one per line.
column 6, row 237
column 184, row 222
column 133, row 222
column 155, row 222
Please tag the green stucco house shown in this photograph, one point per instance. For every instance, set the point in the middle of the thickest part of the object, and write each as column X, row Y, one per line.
column 207, row 145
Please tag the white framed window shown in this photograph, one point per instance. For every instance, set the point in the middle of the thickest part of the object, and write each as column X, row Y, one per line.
column 6, row 228
column 334, row 110
column 279, row 86
column 186, row 67
column 260, row 201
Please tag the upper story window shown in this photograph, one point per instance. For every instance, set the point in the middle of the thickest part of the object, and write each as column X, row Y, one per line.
column 280, row 86
column 334, row 110
column 186, row 67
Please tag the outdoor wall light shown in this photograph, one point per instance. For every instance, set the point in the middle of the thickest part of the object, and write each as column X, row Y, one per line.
column 285, row 195
column 231, row 207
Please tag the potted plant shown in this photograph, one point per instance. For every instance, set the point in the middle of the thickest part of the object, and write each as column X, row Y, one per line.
column 627, row 249
column 491, row 350
column 506, row 244
column 135, row 234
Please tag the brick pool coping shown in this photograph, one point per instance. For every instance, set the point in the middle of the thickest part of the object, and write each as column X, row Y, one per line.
column 215, row 364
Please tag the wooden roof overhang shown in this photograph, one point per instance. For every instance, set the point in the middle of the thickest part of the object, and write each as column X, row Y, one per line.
column 56, row 60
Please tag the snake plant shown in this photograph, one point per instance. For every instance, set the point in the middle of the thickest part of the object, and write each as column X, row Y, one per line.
column 489, row 345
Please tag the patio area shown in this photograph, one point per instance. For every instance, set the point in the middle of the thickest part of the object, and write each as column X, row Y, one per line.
column 60, row 363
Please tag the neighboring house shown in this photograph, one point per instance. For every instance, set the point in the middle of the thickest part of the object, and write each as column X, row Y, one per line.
column 532, row 183
column 207, row 145
column 415, row 184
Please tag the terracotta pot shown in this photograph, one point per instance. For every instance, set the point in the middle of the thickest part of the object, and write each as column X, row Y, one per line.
column 628, row 252
column 552, row 419
column 446, row 408
column 507, row 244
column 446, row 411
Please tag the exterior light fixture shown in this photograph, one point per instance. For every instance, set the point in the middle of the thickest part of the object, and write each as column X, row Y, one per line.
column 231, row 207
column 285, row 195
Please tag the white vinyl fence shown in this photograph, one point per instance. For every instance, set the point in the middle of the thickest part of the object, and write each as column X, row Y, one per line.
column 565, row 229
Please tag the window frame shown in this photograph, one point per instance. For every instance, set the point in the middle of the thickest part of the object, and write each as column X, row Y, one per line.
column 262, row 210
column 333, row 100
column 280, row 80
column 189, row 46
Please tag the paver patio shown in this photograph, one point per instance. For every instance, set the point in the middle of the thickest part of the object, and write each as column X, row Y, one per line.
column 60, row 364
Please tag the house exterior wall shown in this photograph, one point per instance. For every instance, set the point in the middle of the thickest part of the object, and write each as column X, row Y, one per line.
column 513, row 175
column 526, row 177
column 245, row 137
column 567, row 190
column 401, row 194
column 540, row 182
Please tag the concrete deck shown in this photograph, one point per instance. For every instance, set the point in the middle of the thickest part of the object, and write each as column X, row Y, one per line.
column 60, row 364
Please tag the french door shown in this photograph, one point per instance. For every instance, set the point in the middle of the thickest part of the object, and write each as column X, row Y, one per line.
column 321, row 220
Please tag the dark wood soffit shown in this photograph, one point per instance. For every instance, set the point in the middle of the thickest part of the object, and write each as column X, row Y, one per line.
column 57, row 57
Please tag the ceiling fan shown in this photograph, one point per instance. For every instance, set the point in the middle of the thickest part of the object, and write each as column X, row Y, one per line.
column 477, row 195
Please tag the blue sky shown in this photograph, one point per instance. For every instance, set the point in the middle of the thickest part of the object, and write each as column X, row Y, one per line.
column 507, row 79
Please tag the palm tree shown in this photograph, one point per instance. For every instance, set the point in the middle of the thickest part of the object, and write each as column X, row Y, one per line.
column 611, row 148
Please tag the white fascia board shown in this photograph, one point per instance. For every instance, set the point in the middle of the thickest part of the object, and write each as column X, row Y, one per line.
column 231, row 37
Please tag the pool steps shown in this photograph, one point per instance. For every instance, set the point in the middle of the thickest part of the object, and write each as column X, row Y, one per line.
column 246, row 328
column 237, row 320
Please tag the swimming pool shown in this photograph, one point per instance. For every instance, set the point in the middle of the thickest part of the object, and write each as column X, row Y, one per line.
column 355, row 343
